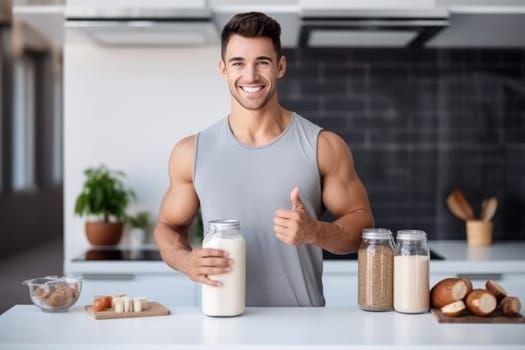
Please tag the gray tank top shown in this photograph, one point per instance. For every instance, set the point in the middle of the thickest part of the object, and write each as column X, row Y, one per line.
column 246, row 183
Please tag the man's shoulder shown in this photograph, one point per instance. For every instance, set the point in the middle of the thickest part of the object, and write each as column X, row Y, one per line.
column 214, row 128
column 331, row 139
column 186, row 142
column 304, row 122
column 185, row 147
column 306, row 127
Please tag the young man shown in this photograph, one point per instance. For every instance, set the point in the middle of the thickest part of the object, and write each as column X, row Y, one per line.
column 272, row 170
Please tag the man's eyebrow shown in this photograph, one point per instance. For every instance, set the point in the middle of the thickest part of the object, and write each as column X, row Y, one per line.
column 236, row 59
column 264, row 58
column 259, row 58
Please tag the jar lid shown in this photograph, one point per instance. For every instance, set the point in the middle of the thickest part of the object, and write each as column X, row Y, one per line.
column 224, row 224
column 412, row 235
column 377, row 233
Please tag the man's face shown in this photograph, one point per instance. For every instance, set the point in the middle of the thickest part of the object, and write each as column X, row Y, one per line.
column 251, row 68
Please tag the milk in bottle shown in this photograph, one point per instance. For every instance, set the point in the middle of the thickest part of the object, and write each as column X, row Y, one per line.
column 229, row 299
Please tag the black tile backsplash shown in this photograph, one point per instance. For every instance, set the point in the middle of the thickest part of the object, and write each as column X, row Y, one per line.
column 421, row 123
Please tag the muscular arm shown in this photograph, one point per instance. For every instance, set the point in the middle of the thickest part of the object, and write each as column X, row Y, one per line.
column 343, row 195
column 178, row 208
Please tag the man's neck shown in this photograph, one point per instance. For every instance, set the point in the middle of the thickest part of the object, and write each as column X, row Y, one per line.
column 259, row 127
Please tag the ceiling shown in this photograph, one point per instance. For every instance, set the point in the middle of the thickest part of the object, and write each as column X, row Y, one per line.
column 474, row 23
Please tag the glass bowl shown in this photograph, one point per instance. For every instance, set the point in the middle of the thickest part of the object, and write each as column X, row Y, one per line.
column 53, row 293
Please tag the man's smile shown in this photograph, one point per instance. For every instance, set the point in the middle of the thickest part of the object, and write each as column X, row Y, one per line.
column 251, row 88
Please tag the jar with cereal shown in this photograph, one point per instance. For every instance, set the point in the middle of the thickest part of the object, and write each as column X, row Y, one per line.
column 376, row 270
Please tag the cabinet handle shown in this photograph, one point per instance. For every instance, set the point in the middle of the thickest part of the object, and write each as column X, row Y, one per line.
column 482, row 276
column 108, row 276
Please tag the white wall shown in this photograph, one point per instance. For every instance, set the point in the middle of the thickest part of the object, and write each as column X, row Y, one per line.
column 127, row 108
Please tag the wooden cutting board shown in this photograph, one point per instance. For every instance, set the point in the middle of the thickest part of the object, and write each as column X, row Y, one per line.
column 496, row 317
column 155, row 309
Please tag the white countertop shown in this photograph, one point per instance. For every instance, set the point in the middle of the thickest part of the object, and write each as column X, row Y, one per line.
column 500, row 257
column 26, row 327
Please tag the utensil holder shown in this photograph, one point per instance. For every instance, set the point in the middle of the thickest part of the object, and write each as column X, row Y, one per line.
column 479, row 233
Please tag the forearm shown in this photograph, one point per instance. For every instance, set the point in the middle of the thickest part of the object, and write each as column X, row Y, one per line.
column 173, row 245
column 343, row 235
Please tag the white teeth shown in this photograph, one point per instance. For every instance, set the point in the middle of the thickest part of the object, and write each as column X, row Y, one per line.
column 251, row 89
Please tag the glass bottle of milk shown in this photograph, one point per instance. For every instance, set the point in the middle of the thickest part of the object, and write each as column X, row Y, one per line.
column 411, row 268
column 229, row 299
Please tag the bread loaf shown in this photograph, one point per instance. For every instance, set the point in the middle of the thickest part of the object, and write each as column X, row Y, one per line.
column 510, row 305
column 496, row 289
column 448, row 291
column 454, row 309
column 481, row 302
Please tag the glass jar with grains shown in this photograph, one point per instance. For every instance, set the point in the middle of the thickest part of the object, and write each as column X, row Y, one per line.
column 376, row 270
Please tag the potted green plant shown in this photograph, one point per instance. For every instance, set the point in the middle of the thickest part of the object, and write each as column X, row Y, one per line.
column 103, row 200
column 139, row 224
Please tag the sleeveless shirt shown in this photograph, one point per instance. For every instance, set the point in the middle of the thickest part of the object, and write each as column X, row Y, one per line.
column 248, row 183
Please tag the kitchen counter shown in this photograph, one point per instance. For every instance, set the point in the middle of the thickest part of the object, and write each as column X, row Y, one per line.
column 135, row 272
column 26, row 327
column 502, row 256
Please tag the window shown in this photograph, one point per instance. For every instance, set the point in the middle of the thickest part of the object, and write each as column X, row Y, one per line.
column 31, row 111
column 5, row 112
column 23, row 168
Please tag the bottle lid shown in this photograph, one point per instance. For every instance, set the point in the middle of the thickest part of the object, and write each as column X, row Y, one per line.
column 411, row 235
column 377, row 233
column 224, row 224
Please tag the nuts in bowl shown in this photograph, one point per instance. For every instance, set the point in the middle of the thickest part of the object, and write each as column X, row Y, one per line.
column 53, row 293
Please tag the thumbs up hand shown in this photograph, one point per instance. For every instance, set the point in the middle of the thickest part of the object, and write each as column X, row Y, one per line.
column 294, row 226
column 297, row 204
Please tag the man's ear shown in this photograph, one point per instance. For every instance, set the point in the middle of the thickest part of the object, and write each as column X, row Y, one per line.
column 281, row 67
column 222, row 68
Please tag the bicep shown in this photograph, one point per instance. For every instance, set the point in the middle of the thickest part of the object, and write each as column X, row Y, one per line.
column 343, row 191
column 180, row 202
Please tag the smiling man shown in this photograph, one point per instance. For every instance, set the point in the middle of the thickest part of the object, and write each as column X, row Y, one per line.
column 269, row 168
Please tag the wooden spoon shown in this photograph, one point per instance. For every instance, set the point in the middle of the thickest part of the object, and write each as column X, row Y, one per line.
column 455, row 208
column 462, row 205
column 488, row 208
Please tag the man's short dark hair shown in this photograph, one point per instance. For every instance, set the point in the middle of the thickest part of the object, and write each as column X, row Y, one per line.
column 252, row 25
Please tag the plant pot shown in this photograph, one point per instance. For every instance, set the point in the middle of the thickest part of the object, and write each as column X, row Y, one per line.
column 104, row 233
column 137, row 237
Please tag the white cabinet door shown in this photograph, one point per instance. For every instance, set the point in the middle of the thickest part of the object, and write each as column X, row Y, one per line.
column 340, row 289
column 166, row 289
column 514, row 285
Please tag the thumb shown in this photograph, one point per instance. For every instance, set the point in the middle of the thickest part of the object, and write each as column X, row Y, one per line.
column 296, row 200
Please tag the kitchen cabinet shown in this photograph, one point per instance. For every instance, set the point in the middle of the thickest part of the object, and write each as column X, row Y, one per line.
column 135, row 272
column 175, row 289
column 340, row 289
column 503, row 262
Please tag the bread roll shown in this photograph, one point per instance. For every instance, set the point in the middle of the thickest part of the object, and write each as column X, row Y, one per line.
column 469, row 284
column 510, row 305
column 447, row 291
column 128, row 304
column 137, row 305
column 454, row 309
column 481, row 302
column 498, row 291
column 118, row 305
